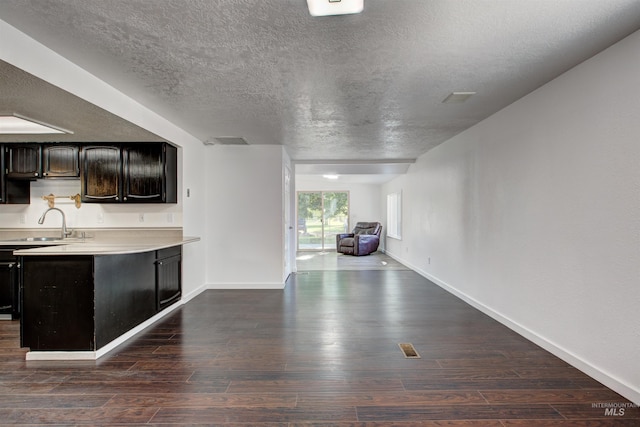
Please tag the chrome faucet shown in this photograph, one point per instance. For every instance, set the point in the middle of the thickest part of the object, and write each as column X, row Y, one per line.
column 64, row 233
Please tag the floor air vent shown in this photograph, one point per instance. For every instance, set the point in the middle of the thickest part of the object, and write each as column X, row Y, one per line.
column 409, row 351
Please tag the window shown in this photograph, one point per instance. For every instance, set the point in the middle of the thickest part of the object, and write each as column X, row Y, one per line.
column 394, row 215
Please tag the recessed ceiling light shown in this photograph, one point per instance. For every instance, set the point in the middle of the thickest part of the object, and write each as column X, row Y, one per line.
column 334, row 7
column 330, row 176
column 455, row 97
column 16, row 124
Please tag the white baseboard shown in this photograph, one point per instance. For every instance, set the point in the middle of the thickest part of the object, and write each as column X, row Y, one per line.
column 245, row 285
column 191, row 295
column 574, row 360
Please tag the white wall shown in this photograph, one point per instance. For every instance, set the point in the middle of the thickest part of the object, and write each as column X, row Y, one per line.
column 194, row 217
column 364, row 199
column 534, row 216
column 33, row 57
column 245, row 216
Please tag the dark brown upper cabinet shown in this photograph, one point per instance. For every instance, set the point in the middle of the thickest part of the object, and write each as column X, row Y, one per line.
column 12, row 191
column 129, row 173
column 60, row 161
column 3, row 186
column 23, row 161
column 100, row 179
column 144, row 173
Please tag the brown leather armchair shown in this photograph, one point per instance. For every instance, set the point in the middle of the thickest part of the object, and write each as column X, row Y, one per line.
column 363, row 241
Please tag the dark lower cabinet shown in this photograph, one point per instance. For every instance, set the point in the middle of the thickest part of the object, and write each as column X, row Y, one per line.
column 125, row 292
column 168, row 274
column 57, row 305
column 10, row 279
column 81, row 303
column 8, row 284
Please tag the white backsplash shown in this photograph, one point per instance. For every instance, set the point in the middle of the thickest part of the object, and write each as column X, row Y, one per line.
column 89, row 215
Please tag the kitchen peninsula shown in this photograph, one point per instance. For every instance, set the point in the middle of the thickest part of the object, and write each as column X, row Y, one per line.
column 82, row 297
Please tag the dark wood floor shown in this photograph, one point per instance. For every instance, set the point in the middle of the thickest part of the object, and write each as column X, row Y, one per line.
column 322, row 352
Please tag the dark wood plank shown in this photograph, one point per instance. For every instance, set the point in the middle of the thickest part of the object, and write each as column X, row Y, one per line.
column 252, row 415
column 456, row 412
column 323, row 351
column 553, row 396
column 611, row 422
column 77, row 415
column 419, row 398
column 207, row 400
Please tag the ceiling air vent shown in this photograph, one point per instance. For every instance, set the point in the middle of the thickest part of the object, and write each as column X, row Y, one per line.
column 226, row 140
column 457, row 97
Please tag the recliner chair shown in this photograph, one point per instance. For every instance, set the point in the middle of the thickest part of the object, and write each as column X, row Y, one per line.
column 363, row 241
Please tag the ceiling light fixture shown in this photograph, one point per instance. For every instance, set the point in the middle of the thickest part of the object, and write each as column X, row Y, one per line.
column 330, row 176
column 334, row 7
column 457, row 97
column 17, row 124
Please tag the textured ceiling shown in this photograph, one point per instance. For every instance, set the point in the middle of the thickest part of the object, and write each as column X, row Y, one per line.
column 367, row 86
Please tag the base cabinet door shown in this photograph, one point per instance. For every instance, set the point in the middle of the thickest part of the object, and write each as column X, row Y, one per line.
column 124, row 294
column 58, row 303
column 8, row 280
column 168, row 277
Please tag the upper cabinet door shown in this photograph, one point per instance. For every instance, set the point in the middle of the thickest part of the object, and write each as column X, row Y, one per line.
column 101, row 174
column 3, row 186
column 143, row 173
column 12, row 191
column 149, row 173
column 60, row 161
column 23, row 161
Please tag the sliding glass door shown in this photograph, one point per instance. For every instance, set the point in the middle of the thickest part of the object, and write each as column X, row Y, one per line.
column 321, row 215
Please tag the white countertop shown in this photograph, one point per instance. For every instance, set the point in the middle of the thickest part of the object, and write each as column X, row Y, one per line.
column 98, row 246
column 88, row 247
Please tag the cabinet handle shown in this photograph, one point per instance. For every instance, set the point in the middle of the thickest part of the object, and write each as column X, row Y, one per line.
column 172, row 297
column 99, row 197
column 151, row 196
